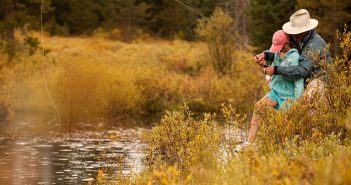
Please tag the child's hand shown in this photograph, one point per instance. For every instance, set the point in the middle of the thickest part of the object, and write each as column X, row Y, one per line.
column 268, row 79
column 269, row 70
column 260, row 59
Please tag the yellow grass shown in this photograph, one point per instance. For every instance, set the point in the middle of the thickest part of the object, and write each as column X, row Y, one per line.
column 94, row 76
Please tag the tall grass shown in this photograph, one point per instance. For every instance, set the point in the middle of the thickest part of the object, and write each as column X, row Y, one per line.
column 93, row 76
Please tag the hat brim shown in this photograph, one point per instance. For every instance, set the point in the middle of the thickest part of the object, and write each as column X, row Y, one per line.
column 276, row 48
column 289, row 29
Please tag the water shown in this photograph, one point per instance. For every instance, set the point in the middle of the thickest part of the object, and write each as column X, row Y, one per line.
column 71, row 160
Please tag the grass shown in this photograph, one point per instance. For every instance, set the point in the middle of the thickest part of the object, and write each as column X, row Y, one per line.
column 94, row 76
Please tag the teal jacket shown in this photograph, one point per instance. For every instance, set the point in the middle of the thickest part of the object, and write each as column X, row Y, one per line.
column 287, row 87
column 313, row 51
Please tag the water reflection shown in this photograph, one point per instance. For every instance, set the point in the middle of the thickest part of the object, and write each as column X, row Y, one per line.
column 67, row 161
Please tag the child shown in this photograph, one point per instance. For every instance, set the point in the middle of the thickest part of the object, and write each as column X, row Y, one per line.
column 282, row 88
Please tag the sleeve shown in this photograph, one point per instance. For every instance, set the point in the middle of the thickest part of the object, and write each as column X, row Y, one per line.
column 299, row 82
column 302, row 70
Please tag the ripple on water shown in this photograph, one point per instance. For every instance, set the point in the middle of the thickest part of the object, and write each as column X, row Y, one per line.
column 65, row 150
column 43, row 182
column 43, row 146
column 88, row 180
column 74, row 161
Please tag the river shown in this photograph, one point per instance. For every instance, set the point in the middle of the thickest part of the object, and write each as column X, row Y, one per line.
column 73, row 159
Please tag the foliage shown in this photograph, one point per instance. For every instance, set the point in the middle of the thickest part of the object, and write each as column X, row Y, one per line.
column 33, row 44
column 307, row 144
column 127, row 81
column 165, row 18
column 16, row 15
column 218, row 32
column 82, row 16
column 173, row 20
column 266, row 17
column 163, row 176
column 180, row 140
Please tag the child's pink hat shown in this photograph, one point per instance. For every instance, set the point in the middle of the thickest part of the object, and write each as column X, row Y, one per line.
column 278, row 41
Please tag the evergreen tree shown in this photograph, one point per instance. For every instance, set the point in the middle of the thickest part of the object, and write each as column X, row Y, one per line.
column 266, row 17
column 84, row 16
column 173, row 19
column 78, row 16
column 16, row 14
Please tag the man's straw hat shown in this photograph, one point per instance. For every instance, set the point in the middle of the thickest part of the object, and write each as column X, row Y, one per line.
column 300, row 22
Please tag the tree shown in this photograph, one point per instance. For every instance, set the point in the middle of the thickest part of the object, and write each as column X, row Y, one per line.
column 331, row 14
column 238, row 10
column 16, row 14
column 132, row 15
column 170, row 18
column 219, row 40
column 266, row 17
column 85, row 16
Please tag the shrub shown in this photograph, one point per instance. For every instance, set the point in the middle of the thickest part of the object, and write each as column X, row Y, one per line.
column 182, row 141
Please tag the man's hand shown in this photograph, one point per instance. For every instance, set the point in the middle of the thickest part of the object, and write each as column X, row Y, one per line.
column 260, row 59
column 269, row 70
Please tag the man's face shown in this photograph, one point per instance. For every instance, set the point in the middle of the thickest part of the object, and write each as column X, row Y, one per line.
column 299, row 37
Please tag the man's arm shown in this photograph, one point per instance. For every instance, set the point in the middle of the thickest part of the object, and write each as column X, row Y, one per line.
column 303, row 70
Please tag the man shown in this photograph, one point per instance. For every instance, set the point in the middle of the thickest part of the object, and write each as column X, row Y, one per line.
column 313, row 52
column 311, row 46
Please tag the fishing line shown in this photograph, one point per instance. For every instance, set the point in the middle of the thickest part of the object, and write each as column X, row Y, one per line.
column 215, row 25
column 45, row 84
column 44, row 76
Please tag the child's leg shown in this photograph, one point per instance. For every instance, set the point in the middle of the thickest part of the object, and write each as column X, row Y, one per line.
column 255, row 121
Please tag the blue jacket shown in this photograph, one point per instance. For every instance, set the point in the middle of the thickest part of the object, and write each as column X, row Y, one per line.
column 313, row 51
column 287, row 87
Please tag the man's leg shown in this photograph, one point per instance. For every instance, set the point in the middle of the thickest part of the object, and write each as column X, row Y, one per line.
column 315, row 92
column 255, row 121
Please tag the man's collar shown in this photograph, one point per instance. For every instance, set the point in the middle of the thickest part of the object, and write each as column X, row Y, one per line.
column 308, row 37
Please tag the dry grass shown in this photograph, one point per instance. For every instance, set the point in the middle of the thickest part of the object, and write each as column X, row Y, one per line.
column 93, row 76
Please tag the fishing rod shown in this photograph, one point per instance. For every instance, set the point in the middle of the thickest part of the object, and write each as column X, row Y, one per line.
column 215, row 25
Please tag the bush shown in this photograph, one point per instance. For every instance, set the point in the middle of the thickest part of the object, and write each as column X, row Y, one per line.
column 182, row 141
